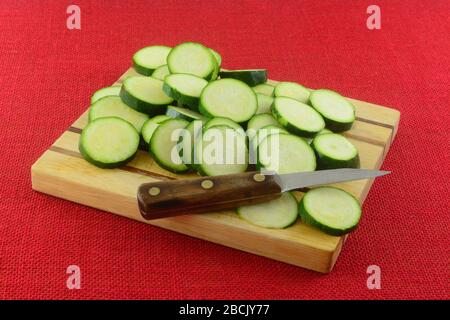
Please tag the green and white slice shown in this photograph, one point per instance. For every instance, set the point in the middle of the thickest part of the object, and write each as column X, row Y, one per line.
column 109, row 142
column 221, row 150
column 104, row 92
column 150, row 126
column 334, row 151
column 264, row 103
column 297, row 117
column 228, row 98
column 163, row 145
column 337, row 111
column 259, row 121
column 145, row 94
column 264, row 88
column 112, row 106
column 285, row 153
column 292, row 90
column 192, row 58
column 332, row 210
column 161, row 72
column 184, row 113
column 147, row 59
column 217, row 56
column 185, row 88
column 220, row 121
column 276, row 214
column 252, row 77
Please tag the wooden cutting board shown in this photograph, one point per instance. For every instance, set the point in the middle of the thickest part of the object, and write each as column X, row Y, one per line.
column 62, row 172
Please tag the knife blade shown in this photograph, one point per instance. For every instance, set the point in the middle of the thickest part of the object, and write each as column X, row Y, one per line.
column 210, row 194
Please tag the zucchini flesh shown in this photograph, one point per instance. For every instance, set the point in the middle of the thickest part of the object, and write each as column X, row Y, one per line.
column 220, row 121
column 221, row 150
column 334, row 151
column 112, row 106
column 147, row 59
column 150, row 126
column 163, row 145
column 261, row 120
column 277, row 214
column 104, row 92
column 264, row 103
column 161, row 72
column 192, row 58
column 184, row 88
column 257, row 137
column 292, row 90
column 264, row 88
column 187, row 140
column 228, row 98
column 109, row 142
column 297, row 117
column 285, row 153
column 337, row 111
column 251, row 77
column 145, row 94
column 184, row 113
column 331, row 210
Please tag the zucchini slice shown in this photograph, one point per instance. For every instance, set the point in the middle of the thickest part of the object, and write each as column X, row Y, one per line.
column 264, row 88
column 229, row 98
column 264, row 103
column 112, row 106
column 109, row 142
column 297, row 117
column 334, row 151
column 292, row 90
column 285, row 153
column 331, row 210
column 163, row 145
column 221, row 121
column 276, row 214
column 104, row 92
column 184, row 113
column 185, row 88
column 150, row 126
column 338, row 112
column 261, row 120
column 324, row 131
column 192, row 58
column 251, row 77
column 161, row 72
column 145, row 94
column 220, row 150
column 147, row 59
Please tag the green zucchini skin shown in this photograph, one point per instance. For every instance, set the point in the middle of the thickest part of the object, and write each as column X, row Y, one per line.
column 141, row 106
column 185, row 114
column 289, row 127
column 142, row 70
column 336, row 126
column 250, row 77
column 191, row 102
column 308, row 219
column 102, row 164
column 325, row 162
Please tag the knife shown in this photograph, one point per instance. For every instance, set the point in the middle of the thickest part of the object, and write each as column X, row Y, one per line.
column 209, row 194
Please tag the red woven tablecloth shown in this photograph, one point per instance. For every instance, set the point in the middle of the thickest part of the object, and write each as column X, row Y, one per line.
column 47, row 74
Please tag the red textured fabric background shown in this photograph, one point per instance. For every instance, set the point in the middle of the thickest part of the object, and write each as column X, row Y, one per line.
column 47, row 74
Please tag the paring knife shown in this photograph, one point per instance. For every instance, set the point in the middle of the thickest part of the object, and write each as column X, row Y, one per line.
column 209, row 194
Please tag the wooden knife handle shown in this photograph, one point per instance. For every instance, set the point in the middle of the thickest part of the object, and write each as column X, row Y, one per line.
column 208, row 194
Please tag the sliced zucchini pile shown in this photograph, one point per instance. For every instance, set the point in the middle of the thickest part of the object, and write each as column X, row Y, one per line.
column 192, row 115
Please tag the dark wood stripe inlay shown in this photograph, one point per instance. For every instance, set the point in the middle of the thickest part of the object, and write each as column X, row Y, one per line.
column 125, row 168
column 377, row 123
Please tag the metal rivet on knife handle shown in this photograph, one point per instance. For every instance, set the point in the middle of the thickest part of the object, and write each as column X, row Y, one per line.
column 154, row 191
column 259, row 177
column 207, row 184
